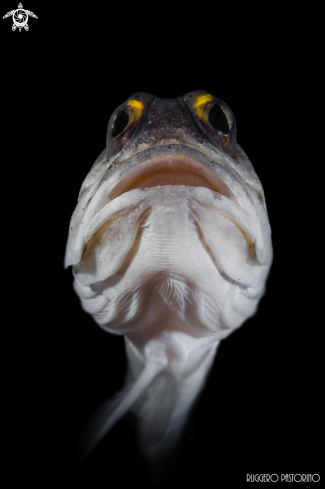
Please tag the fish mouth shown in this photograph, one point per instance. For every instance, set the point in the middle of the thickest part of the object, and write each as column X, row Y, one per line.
column 171, row 172
column 180, row 168
column 176, row 169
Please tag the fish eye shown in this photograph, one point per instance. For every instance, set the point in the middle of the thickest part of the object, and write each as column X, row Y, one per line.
column 214, row 119
column 218, row 120
column 120, row 123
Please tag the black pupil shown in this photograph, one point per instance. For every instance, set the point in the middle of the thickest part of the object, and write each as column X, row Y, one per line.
column 218, row 120
column 120, row 123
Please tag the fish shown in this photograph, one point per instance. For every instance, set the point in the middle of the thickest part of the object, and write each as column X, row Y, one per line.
column 170, row 246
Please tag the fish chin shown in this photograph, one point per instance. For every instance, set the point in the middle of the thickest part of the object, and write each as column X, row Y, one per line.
column 181, row 252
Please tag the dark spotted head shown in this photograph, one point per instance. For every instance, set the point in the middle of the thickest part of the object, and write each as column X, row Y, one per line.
column 195, row 118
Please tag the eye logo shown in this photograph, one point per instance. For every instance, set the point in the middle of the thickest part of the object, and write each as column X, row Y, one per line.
column 20, row 18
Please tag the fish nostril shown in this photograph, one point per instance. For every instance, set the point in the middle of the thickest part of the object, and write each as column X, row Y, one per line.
column 120, row 123
column 218, row 119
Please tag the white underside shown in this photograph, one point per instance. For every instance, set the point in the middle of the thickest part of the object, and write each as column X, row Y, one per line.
column 175, row 270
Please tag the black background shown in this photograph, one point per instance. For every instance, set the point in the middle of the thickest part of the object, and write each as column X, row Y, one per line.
column 259, row 412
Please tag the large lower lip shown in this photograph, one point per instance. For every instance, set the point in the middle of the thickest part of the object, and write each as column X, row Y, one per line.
column 176, row 169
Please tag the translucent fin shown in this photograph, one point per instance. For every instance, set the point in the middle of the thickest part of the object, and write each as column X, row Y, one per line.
column 105, row 417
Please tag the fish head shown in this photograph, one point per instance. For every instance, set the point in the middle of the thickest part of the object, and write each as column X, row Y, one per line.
column 171, row 231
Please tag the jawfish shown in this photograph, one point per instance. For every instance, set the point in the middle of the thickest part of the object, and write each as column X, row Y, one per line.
column 170, row 246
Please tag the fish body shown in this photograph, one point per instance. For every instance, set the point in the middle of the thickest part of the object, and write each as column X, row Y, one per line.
column 170, row 245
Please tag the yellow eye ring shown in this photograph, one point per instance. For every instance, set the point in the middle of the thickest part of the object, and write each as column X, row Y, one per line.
column 134, row 108
column 200, row 103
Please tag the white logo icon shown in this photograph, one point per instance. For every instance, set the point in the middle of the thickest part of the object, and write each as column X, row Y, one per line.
column 20, row 18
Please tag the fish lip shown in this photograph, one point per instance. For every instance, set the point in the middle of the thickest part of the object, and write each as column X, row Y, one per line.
column 113, row 184
column 162, row 156
column 92, row 205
